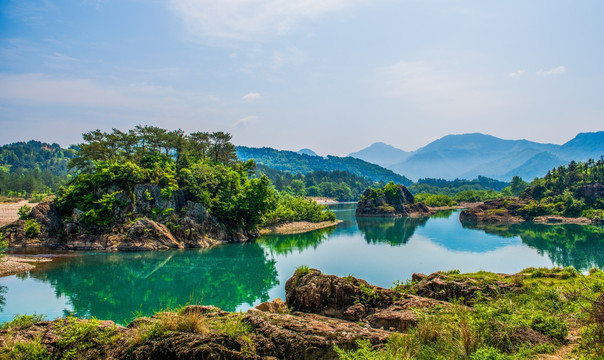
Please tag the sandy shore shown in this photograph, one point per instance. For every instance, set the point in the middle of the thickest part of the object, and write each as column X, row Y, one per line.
column 8, row 211
column 15, row 264
column 323, row 200
column 463, row 205
column 297, row 227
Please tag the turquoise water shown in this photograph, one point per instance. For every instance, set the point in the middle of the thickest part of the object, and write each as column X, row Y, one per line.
column 120, row 286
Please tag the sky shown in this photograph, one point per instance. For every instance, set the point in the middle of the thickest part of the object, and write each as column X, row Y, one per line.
column 331, row 75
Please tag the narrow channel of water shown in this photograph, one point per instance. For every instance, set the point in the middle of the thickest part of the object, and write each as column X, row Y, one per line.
column 120, row 286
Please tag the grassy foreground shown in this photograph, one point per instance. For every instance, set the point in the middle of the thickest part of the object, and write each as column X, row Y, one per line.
column 551, row 305
column 550, row 311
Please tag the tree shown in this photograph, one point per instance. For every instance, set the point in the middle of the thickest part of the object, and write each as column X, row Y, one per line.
column 518, row 185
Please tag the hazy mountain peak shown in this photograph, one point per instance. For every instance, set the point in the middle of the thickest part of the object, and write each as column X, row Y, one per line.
column 307, row 151
column 381, row 154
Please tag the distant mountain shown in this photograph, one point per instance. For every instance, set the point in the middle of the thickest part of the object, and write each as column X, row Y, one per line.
column 308, row 152
column 536, row 166
column 301, row 164
column 470, row 155
column 381, row 154
column 583, row 146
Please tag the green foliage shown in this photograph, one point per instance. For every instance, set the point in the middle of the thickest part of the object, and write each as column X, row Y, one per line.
column 435, row 200
column 302, row 270
column 24, row 212
column 336, row 184
column 33, row 168
column 32, row 350
column 368, row 295
column 31, row 228
column 295, row 163
column 289, row 208
column 22, row 321
column 559, row 192
column 451, row 188
column 476, row 195
column 83, row 338
column 551, row 326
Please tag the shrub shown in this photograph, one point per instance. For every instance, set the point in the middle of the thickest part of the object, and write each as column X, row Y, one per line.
column 32, row 228
column 302, row 270
column 551, row 326
column 31, row 350
column 81, row 338
column 22, row 321
column 24, row 212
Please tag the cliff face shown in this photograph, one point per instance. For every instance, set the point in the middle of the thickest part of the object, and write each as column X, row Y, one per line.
column 147, row 221
column 390, row 201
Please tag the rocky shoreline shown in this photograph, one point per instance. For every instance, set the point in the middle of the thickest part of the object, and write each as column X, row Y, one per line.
column 507, row 211
column 321, row 316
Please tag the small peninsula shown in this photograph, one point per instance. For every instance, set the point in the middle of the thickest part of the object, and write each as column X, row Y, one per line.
column 390, row 201
column 571, row 194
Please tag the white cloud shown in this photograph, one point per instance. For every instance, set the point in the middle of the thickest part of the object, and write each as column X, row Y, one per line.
column 251, row 97
column 516, row 73
column 555, row 71
column 245, row 121
column 248, row 19
column 435, row 88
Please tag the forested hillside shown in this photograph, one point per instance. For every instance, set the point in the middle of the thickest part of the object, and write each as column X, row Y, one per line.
column 33, row 167
column 301, row 164
column 338, row 185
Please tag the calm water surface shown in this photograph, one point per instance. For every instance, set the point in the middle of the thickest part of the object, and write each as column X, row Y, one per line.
column 120, row 286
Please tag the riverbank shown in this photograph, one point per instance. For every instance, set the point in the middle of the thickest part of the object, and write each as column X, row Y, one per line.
column 323, row 200
column 297, row 227
column 16, row 264
column 443, row 315
column 9, row 211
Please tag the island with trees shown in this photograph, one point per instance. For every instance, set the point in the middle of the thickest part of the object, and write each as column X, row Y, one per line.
column 150, row 188
column 573, row 193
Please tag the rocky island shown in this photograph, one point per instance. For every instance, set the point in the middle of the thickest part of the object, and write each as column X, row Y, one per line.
column 442, row 315
column 390, row 201
column 154, row 189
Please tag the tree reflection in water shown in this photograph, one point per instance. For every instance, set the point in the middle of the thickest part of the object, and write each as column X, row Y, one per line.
column 581, row 246
column 112, row 286
column 394, row 231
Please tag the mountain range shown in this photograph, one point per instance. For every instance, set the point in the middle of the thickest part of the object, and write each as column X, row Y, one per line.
column 466, row 156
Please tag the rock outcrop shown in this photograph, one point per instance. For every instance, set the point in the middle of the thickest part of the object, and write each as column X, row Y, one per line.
column 443, row 287
column 390, row 201
column 354, row 299
column 145, row 221
column 320, row 313
column 495, row 211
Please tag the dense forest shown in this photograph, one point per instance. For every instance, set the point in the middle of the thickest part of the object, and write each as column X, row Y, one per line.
column 302, row 164
column 33, row 167
column 338, row 185
column 573, row 190
column 203, row 164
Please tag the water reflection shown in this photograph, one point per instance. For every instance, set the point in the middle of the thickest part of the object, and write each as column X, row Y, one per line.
column 114, row 286
column 286, row 244
column 389, row 230
column 581, row 246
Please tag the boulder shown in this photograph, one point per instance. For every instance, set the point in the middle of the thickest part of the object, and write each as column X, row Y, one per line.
column 494, row 211
column 333, row 295
column 146, row 234
column 446, row 288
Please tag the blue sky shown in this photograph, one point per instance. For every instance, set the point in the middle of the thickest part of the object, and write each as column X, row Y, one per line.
column 331, row 75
